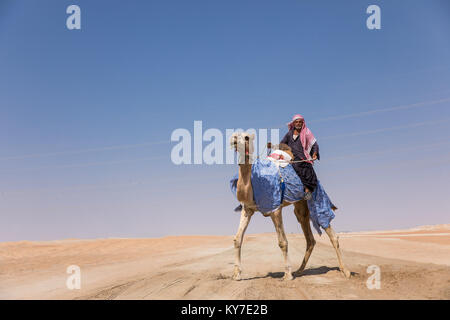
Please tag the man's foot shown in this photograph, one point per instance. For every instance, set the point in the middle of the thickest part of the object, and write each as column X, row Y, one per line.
column 238, row 208
column 308, row 196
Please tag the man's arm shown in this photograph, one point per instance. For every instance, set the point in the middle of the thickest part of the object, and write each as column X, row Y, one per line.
column 315, row 151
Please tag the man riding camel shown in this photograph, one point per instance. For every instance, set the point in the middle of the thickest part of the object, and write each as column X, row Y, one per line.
column 304, row 147
column 305, row 150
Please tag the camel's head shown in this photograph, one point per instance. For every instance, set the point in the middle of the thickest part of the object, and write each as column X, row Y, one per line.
column 242, row 142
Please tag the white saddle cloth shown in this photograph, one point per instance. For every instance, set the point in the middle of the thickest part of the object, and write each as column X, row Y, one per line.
column 280, row 158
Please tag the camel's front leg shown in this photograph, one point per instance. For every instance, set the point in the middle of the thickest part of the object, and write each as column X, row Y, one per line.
column 246, row 215
column 335, row 241
column 282, row 242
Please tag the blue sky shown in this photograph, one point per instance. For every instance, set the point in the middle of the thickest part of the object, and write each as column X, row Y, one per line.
column 86, row 115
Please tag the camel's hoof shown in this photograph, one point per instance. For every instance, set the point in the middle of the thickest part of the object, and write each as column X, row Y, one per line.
column 347, row 274
column 237, row 274
column 288, row 276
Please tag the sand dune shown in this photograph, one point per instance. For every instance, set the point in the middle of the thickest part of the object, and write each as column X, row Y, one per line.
column 414, row 264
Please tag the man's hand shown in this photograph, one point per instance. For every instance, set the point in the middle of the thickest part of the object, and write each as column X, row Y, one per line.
column 314, row 157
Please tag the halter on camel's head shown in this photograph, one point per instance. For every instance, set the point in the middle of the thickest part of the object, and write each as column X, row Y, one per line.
column 242, row 143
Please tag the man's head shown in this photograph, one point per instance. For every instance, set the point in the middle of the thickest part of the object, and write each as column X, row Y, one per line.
column 297, row 122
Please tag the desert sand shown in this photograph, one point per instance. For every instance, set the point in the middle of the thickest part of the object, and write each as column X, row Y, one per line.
column 414, row 264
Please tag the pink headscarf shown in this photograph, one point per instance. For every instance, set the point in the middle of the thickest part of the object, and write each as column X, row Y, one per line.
column 306, row 136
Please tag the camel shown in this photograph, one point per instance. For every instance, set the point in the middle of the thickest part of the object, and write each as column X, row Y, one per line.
column 242, row 143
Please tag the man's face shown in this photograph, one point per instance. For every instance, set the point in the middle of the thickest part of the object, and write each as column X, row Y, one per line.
column 298, row 124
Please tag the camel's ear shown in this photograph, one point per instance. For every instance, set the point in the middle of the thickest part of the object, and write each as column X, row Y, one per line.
column 252, row 136
column 233, row 141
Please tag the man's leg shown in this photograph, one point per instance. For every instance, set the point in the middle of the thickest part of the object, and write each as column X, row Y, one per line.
column 308, row 176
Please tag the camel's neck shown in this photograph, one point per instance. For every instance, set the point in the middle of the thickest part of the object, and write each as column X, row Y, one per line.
column 245, row 171
column 244, row 186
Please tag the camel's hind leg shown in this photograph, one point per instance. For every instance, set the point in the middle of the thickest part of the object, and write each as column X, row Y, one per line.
column 282, row 242
column 246, row 215
column 335, row 241
column 302, row 213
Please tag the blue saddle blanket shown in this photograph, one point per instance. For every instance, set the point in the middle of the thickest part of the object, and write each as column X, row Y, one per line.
column 269, row 192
